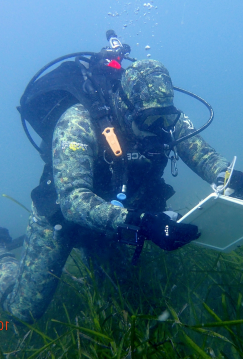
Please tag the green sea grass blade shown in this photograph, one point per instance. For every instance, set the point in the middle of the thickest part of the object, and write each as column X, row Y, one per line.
column 121, row 297
column 61, row 344
column 238, row 306
column 224, row 305
column 225, row 324
column 191, row 302
column 38, row 351
column 83, row 329
column 224, row 356
column 119, row 351
column 76, row 263
column 220, row 324
column 85, row 336
column 86, row 355
column 147, row 317
column 226, row 314
column 209, row 276
column 211, row 334
column 44, row 336
column 173, row 313
column 133, row 318
column 210, row 311
column 26, row 343
column 65, row 282
column 17, row 202
column 196, row 348
column 106, row 319
column 2, row 356
column 69, row 321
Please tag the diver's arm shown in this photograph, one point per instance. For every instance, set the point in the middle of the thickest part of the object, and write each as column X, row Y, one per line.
column 74, row 149
column 198, row 154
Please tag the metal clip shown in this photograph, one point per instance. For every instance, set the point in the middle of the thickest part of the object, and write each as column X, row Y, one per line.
column 175, row 157
column 174, row 148
column 174, row 169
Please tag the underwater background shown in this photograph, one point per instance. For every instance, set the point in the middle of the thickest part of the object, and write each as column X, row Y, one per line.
column 201, row 44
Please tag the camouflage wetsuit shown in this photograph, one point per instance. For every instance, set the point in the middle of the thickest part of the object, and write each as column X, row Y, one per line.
column 83, row 184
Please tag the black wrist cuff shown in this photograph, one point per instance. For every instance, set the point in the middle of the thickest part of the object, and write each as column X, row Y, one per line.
column 133, row 217
column 129, row 231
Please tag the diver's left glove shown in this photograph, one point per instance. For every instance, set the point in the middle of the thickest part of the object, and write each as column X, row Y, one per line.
column 166, row 233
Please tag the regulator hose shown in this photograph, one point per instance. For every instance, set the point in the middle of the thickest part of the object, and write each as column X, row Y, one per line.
column 196, row 132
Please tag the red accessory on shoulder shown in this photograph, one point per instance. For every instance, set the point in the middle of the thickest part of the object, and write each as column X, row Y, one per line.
column 114, row 64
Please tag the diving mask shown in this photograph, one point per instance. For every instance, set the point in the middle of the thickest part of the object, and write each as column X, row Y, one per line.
column 157, row 120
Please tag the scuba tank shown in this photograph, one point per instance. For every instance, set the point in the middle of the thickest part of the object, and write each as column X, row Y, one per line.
column 48, row 96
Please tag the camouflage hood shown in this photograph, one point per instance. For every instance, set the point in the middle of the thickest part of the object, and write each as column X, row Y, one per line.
column 147, row 85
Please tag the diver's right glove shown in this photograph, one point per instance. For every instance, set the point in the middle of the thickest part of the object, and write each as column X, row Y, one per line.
column 236, row 183
column 166, row 233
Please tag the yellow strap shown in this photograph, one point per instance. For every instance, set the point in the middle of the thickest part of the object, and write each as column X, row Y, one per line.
column 112, row 141
column 226, row 177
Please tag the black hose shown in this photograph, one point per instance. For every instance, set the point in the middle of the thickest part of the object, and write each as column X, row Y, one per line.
column 29, row 136
column 83, row 58
column 59, row 59
column 196, row 132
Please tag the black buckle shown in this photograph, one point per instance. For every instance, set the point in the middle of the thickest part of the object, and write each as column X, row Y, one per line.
column 129, row 234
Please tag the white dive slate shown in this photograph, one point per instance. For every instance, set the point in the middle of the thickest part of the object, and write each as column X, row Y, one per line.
column 220, row 222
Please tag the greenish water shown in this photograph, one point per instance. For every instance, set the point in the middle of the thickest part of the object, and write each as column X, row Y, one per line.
column 186, row 304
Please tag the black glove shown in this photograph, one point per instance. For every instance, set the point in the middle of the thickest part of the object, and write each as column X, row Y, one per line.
column 165, row 233
column 236, row 183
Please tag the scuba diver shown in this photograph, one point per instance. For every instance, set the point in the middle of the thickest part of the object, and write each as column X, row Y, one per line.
column 107, row 136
